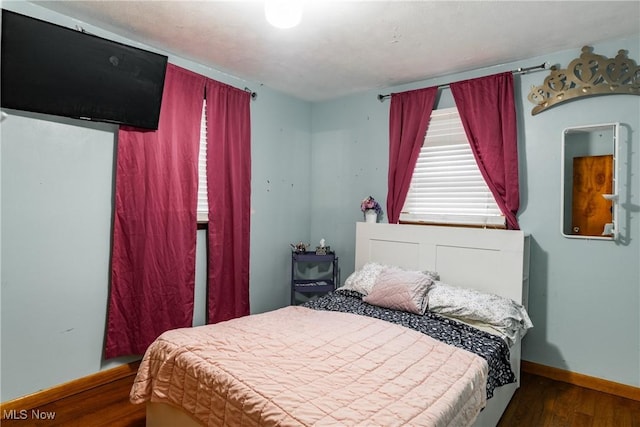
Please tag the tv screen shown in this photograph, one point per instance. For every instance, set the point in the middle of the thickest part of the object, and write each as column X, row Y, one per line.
column 55, row 70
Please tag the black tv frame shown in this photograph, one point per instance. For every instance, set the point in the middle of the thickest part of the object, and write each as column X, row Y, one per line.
column 50, row 69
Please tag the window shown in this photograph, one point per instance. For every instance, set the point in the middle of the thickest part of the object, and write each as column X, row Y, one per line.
column 203, row 205
column 447, row 186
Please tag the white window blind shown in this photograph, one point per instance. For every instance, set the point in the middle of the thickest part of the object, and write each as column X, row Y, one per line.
column 203, row 206
column 447, row 186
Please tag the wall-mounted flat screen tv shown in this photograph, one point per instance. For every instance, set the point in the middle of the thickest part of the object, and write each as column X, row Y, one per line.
column 47, row 68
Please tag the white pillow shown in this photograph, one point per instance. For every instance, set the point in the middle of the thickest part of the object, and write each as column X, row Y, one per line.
column 503, row 314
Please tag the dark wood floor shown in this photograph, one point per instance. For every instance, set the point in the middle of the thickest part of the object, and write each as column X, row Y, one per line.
column 540, row 402
column 104, row 406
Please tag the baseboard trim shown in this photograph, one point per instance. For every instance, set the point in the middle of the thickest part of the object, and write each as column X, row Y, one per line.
column 58, row 392
column 586, row 381
column 44, row 397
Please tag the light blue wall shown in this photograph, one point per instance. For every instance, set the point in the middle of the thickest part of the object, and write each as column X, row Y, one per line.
column 56, row 222
column 349, row 151
column 584, row 294
column 56, row 198
column 280, row 196
column 312, row 164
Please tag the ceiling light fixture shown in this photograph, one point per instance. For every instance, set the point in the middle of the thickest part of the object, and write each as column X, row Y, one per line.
column 283, row 14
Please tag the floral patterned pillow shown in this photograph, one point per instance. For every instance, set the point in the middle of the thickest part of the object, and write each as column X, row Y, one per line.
column 503, row 314
column 362, row 280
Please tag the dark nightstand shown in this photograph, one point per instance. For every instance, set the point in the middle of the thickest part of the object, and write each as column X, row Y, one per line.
column 326, row 279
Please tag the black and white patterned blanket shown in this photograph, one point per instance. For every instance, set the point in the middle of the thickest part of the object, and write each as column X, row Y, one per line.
column 490, row 347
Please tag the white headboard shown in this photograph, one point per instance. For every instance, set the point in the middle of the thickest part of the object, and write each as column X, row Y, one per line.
column 495, row 261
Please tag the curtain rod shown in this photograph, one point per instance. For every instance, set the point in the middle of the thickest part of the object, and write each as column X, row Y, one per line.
column 254, row 95
column 544, row 66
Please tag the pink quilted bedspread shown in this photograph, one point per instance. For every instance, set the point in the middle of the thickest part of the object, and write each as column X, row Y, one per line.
column 296, row 366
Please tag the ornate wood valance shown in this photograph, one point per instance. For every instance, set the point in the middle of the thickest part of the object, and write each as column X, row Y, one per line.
column 588, row 75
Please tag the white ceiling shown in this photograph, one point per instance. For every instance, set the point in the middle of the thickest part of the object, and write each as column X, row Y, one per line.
column 343, row 47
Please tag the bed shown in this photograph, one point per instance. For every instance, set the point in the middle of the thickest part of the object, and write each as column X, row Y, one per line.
column 338, row 360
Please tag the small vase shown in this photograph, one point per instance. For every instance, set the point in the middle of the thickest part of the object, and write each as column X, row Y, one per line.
column 370, row 215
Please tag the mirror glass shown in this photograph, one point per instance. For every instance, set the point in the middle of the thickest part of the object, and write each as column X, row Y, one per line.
column 589, row 182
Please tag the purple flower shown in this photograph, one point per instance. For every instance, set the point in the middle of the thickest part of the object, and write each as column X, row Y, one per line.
column 370, row 203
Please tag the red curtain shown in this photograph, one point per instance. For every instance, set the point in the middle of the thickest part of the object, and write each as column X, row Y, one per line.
column 229, row 188
column 408, row 121
column 488, row 114
column 154, row 231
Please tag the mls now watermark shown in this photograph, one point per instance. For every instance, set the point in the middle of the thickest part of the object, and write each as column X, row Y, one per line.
column 23, row 414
